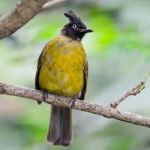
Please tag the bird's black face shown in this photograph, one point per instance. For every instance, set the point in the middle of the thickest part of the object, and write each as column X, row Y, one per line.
column 75, row 29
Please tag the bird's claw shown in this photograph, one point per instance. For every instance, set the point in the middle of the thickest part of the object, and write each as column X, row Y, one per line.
column 73, row 100
column 44, row 95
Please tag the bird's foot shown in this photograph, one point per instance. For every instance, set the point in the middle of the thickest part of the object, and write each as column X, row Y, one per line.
column 73, row 100
column 44, row 95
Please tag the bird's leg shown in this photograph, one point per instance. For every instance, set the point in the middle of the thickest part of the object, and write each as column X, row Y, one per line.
column 44, row 95
column 73, row 100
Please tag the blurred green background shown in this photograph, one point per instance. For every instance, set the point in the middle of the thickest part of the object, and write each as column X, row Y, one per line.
column 118, row 53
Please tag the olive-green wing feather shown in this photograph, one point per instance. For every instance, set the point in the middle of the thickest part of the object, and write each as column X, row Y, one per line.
column 85, row 77
column 40, row 62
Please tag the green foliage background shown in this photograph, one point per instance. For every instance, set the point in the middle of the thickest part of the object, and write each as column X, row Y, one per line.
column 119, row 56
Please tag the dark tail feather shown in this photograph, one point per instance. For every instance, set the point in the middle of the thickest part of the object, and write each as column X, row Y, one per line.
column 60, row 129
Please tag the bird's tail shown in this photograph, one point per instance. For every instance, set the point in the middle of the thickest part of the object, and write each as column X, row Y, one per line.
column 60, row 129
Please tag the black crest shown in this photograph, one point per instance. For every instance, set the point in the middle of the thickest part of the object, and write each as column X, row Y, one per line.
column 74, row 18
column 71, row 15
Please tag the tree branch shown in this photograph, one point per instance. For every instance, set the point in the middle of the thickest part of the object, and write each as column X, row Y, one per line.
column 105, row 111
column 24, row 11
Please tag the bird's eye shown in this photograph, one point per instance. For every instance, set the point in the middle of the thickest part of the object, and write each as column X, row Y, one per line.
column 74, row 26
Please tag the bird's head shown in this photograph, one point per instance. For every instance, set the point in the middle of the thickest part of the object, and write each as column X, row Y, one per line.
column 75, row 29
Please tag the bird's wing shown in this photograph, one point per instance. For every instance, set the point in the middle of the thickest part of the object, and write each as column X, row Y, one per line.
column 85, row 77
column 40, row 62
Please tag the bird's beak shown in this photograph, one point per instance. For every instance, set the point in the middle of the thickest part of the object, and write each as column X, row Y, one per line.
column 88, row 30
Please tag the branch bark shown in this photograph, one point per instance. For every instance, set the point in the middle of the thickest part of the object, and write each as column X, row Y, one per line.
column 105, row 111
column 24, row 11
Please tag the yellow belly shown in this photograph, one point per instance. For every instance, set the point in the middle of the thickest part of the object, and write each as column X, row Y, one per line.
column 62, row 70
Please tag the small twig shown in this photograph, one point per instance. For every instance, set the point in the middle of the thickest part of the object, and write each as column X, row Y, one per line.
column 133, row 92
column 51, row 4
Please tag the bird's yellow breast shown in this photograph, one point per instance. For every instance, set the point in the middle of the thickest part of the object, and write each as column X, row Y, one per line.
column 62, row 67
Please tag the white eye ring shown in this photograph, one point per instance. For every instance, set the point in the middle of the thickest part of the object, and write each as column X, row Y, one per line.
column 74, row 26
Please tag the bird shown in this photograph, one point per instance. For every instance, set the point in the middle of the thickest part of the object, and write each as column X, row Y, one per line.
column 62, row 69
